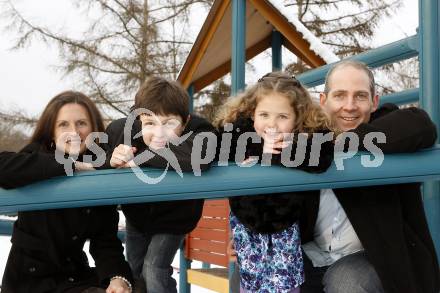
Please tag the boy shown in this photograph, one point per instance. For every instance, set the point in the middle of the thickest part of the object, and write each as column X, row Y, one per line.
column 156, row 230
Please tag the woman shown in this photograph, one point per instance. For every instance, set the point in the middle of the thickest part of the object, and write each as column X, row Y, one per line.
column 47, row 246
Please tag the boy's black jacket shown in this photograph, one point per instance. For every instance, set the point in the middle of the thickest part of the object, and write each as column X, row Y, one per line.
column 275, row 212
column 174, row 217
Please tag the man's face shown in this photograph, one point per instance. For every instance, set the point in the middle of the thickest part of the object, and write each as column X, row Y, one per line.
column 349, row 102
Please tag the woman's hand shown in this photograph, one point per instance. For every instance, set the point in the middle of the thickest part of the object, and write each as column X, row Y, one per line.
column 118, row 286
column 69, row 143
column 122, row 156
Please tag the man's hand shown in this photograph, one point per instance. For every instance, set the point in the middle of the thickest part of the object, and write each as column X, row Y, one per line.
column 122, row 156
column 118, row 286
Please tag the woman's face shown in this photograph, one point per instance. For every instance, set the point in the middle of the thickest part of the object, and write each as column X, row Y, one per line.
column 72, row 126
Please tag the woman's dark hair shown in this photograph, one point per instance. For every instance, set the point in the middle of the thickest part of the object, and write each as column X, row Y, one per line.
column 44, row 131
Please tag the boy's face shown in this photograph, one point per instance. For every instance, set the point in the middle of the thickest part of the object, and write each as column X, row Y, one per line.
column 349, row 102
column 158, row 130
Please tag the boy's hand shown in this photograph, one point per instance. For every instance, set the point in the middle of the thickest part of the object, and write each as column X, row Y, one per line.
column 81, row 166
column 122, row 156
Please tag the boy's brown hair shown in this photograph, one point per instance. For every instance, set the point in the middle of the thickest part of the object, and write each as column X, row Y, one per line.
column 163, row 97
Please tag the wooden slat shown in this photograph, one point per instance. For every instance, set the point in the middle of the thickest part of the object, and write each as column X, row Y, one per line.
column 211, row 258
column 215, row 279
column 217, row 202
column 207, row 245
column 213, row 223
column 216, row 211
column 210, row 235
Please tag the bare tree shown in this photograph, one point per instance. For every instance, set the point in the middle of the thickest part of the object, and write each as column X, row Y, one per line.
column 12, row 138
column 130, row 41
column 347, row 26
column 210, row 99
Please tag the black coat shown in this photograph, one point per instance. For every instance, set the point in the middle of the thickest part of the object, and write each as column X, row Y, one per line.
column 173, row 217
column 47, row 246
column 278, row 211
column 389, row 219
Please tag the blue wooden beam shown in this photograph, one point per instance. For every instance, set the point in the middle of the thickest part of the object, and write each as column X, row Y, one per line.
column 6, row 227
column 238, row 55
column 396, row 51
column 429, row 60
column 401, row 98
column 122, row 186
column 277, row 56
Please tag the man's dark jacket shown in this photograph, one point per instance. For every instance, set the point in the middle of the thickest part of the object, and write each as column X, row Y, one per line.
column 389, row 219
column 47, row 246
column 173, row 217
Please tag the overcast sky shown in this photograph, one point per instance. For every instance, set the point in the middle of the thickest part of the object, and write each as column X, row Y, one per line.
column 29, row 78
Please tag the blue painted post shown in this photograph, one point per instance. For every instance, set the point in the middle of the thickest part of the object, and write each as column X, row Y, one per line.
column 277, row 56
column 429, row 99
column 191, row 98
column 185, row 264
column 238, row 58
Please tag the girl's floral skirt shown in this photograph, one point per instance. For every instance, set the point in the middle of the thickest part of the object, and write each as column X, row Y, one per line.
column 269, row 263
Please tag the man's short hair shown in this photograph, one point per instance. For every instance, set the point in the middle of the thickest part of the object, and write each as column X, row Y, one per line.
column 162, row 97
column 355, row 64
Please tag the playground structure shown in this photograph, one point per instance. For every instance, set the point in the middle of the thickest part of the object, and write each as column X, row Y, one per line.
column 100, row 188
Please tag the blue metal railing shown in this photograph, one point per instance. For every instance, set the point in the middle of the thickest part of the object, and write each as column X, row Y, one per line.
column 101, row 188
column 394, row 52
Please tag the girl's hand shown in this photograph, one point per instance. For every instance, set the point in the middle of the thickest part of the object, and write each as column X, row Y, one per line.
column 118, row 286
column 274, row 145
column 122, row 156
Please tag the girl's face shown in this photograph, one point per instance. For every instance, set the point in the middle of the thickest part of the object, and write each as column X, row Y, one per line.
column 72, row 126
column 273, row 116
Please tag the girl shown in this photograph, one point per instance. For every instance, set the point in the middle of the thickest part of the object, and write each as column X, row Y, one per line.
column 264, row 228
column 47, row 246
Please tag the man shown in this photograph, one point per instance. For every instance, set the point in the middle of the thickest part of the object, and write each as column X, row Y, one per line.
column 375, row 238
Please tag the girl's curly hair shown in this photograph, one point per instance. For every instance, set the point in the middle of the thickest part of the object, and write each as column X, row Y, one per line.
column 308, row 114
